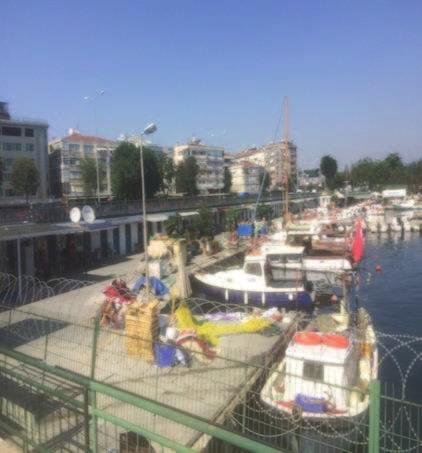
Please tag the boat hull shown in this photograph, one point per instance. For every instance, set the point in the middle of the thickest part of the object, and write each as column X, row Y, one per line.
column 300, row 300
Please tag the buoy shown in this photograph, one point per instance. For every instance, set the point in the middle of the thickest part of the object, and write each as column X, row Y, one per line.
column 307, row 338
column 335, row 341
column 378, row 268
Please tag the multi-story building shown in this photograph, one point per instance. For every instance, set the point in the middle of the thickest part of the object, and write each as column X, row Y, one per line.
column 246, row 177
column 22, row 138
column 210, row 160
column 277, row 158
column 65, row 157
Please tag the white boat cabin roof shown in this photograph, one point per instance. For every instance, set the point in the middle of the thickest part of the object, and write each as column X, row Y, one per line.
column 319, row 353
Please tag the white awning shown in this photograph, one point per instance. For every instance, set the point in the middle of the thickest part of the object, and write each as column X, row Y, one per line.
column 189, row 213
column 161, row 217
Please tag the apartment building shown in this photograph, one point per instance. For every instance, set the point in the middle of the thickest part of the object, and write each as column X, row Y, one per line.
column 65, row 157
column 22, row 138
column 246, row 177
column 277, row 158
column 210, row 160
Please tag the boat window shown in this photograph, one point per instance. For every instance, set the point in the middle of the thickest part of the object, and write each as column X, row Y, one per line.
column 313, row 370
column 253, row 268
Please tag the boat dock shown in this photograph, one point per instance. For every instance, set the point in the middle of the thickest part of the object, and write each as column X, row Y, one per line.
column 59, row 331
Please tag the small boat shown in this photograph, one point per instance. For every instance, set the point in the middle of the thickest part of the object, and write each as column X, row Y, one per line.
column 255, row 284
column 316, row 267
column 373, row 227
column 330, row 245
column 326, row 370
column 405, row 205
column 406, row 224
column 383, row 227
column 395, row 226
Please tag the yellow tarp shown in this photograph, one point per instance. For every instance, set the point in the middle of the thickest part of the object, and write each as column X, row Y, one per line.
column 210, row 331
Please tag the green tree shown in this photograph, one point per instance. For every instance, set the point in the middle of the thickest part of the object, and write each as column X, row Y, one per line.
column 174, row 226
column 232, row 217
column 126, row 172
column 2, row 168
column 167, row 172
column 25, row 177
column 227, row 180
column 204, row 221
column 186, row 174
column 414, row 176
column 328, row 167
column 377, row 174
column 88, row 167
column 264, row 211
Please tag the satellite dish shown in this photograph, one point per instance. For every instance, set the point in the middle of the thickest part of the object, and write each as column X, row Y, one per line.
column 88, row 214
column 75, row 215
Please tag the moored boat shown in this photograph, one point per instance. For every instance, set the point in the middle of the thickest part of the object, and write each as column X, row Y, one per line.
column 255, row 284
column 326, row 371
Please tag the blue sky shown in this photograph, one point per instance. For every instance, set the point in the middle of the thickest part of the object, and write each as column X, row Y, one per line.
column 219, row 69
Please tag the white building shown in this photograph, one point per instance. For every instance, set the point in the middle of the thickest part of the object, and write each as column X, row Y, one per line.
column 65, row 157
column 310, row 178
column 210, row 160
column 277, row 158
column 22, row 138
column 246, row 177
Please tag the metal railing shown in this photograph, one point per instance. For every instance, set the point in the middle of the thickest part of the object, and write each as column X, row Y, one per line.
column 46, row 213
column 94, row 393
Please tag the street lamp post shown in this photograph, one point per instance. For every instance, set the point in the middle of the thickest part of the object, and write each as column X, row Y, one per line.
column 150, row 129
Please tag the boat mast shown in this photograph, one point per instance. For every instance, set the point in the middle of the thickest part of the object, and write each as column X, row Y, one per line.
column 285, row 161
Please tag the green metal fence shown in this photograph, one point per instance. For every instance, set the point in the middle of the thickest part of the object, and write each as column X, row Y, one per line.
column 68, row 385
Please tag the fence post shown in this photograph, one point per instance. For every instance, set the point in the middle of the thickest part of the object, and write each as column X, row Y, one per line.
column 374, row 416
column 92, row 394
column 94, row 346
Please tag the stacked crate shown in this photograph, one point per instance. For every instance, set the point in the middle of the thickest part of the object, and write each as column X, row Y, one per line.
column 142, row 329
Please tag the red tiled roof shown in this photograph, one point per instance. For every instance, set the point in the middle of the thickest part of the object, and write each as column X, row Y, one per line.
column 86, row 139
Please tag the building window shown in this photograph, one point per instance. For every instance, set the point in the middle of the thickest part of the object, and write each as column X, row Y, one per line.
column 9, row 162
column 29, row 132
column 9, row 193
column 73, row 147
column 12, row 147
column 29, row 147
column 11, row 131
column 88, row 149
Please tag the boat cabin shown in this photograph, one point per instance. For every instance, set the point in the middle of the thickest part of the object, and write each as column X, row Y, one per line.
column 260, row 267
column 320, row 367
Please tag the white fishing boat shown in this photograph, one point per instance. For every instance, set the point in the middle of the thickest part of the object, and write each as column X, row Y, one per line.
column 255, row 284
column 395, row 226
column 373, row 227
column 406, row 224
column 303, row 228
column 326, row 267
column 326, row 370
column 405, row 205
column 383, row 227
